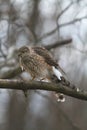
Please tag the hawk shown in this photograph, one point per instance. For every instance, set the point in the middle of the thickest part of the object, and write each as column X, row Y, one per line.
column 38, row 62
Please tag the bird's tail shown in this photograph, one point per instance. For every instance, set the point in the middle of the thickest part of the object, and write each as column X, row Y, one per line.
column 61, row 71
column 59, row 96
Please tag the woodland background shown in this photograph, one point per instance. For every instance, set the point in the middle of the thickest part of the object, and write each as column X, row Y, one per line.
column 43, row 22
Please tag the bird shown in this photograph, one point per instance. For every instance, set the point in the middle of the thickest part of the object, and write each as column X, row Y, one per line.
column 38, row 62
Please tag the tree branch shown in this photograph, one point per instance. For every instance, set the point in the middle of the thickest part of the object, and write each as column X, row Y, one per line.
column 47, row 34
column 59, row 87
column 58, row 43
column 64, row 10
column 61, row 25
column 73, row 21
column 11, row 73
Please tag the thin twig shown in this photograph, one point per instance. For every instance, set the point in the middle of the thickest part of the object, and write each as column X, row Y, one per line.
column 61, row 25
column 73, row 21
column 64, row 10
column 47, row 34
column 2, row 50
column 59, row 15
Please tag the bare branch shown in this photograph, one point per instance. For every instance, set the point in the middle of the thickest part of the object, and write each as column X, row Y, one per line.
column 11, row 73
column 58, row 43
column 61, row 13
column 47, row 34
column 64, row 10
column 61, row 25
column 73, row 21
column 3, row 55
column 33, row 85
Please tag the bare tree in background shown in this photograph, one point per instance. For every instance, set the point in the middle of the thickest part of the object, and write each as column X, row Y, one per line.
column 53, row 24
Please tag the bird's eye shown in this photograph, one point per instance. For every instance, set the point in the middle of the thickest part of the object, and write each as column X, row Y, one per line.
column 23, row 50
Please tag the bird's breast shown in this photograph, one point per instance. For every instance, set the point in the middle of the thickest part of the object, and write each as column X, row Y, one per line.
column 35, row 65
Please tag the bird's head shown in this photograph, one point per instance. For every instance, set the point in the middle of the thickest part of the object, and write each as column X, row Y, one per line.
column 23, row 50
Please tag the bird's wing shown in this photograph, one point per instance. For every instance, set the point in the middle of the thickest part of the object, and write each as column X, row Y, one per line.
column 46, row 55
column 27, row 61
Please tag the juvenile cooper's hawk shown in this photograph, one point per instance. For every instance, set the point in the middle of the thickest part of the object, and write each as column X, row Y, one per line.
column 38, row 62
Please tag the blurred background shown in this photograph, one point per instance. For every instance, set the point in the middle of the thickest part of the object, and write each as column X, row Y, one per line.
column 43, row 22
